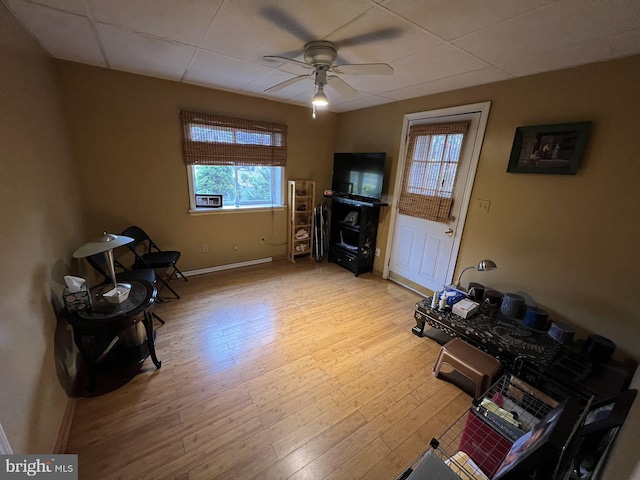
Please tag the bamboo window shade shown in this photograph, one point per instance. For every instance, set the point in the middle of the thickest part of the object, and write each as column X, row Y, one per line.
column 431, row 167
column 219, row 140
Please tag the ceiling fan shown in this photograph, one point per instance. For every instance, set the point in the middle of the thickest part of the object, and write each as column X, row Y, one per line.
column 320, row 56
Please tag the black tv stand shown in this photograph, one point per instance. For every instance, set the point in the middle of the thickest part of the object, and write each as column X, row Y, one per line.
column 352, row 243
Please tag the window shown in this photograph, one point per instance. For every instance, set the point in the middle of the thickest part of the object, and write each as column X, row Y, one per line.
column 240, row 186
column 434, row 164
column 242, row 160
column 433, row 151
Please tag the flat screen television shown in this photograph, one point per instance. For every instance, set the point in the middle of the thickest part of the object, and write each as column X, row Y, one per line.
column 358, row 175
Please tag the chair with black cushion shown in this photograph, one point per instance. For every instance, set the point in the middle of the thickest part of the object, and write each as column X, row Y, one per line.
column 99, row 263
column 149, row 255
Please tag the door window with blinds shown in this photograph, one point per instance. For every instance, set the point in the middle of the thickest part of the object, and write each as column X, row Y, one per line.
column 433, row 152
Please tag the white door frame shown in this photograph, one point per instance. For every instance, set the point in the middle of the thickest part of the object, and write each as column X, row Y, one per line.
column 483, row 109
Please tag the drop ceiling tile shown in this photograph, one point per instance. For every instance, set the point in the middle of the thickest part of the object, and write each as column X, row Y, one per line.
column 380, row 36
column 215, row 70
column 624, row 44
column 627, row 43
column 71, row 39
column 463, row 80
column 73, row 6
column 550, row 28
column 144, row 54
column 184, row 21
column 451, row 19
column 439, row 62
column 247, row 29
column 363, row 101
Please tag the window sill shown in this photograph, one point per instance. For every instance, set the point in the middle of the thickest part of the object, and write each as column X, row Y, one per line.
column 224, row 210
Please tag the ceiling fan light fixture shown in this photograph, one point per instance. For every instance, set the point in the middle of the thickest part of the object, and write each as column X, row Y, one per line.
column 320, row 99
column 321, row 56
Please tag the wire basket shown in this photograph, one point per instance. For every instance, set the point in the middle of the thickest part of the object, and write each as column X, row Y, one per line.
column 474, row 445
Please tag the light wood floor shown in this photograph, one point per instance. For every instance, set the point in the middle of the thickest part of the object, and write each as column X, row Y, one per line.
column 277, row 371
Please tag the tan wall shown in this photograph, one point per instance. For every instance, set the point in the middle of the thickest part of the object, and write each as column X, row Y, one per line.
column 570, row 242
column 127, row 139
column 40, row 229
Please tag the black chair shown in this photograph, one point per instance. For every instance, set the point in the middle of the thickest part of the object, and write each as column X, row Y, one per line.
column 149, row 255
column 99, row 263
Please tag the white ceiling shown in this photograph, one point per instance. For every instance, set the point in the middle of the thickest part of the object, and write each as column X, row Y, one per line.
column 433, row 45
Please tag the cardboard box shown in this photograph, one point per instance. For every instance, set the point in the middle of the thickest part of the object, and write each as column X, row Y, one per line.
column 465, row 308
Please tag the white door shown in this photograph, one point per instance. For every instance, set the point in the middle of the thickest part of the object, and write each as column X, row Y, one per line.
column 425, row 251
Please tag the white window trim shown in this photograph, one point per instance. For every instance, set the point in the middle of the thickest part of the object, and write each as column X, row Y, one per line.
column 226, row 209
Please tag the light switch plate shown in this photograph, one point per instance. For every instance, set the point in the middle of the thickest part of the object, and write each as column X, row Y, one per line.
column 483, row 205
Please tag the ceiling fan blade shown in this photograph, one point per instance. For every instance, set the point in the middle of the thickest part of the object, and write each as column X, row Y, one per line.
column 377, row 36
column 283, row 20
column 286, row 83
column 342, row 87
column 363, row 69
column 288, row 60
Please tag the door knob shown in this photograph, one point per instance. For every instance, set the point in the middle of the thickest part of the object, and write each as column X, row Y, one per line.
column 448, row 232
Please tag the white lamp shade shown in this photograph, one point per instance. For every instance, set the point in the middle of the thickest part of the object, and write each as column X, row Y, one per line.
column 106, row 242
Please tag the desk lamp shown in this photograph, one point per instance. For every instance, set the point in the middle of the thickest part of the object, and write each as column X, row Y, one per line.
column 105, row 244
column 483, row 266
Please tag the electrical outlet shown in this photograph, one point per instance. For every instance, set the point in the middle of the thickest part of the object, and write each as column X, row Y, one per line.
column 235, row 248
column 263, row 240
column 377, row 252
column 483, row 205
column 205, row 248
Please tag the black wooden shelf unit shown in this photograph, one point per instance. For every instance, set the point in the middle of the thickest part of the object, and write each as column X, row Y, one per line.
column 353, row 231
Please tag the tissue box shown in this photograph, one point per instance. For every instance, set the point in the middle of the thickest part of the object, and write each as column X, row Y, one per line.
column 454, row 295
column 465, row 308
column 75, row 301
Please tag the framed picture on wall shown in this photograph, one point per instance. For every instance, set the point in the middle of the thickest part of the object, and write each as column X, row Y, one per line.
column 555, row 149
